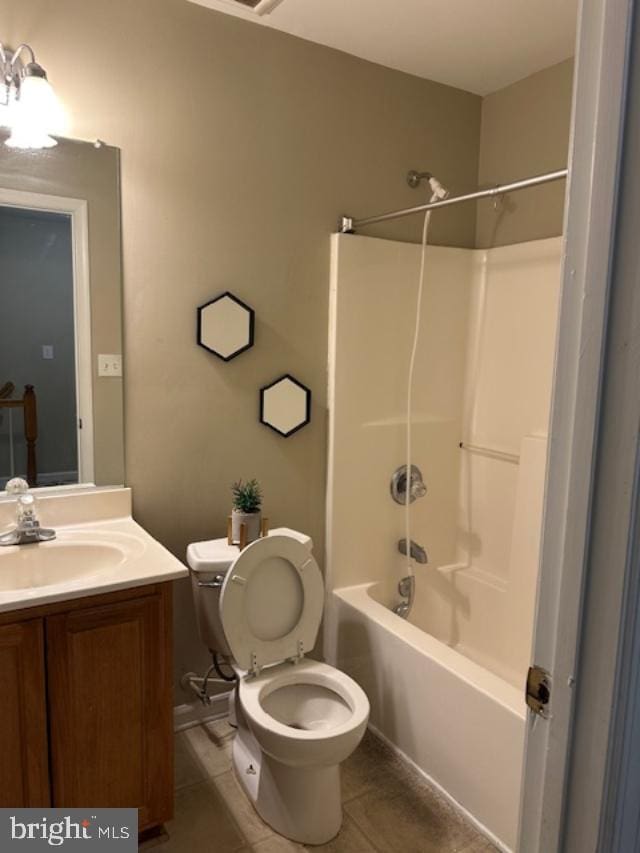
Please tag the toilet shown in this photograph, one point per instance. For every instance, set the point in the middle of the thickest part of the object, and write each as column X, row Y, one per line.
column 297, row 719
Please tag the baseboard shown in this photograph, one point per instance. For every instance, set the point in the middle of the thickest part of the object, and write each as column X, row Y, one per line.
column 445, row 794
column 194, row 713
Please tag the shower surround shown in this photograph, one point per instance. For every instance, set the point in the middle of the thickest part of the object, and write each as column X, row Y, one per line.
column 446, row 687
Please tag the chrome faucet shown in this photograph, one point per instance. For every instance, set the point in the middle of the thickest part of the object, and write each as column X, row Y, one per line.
column 417, row 552
column 28, row 530
column 407, row 589
column 398, row 486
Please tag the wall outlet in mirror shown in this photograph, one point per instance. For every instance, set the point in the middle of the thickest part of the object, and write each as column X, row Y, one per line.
column 110, row 365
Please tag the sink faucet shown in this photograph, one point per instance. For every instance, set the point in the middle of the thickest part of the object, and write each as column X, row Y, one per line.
column 28, row 530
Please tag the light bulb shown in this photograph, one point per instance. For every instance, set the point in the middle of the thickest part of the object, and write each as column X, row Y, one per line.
column 40, row 101
column 35, row 115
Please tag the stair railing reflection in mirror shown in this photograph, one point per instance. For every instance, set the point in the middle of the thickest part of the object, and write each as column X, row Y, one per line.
column 29, row 407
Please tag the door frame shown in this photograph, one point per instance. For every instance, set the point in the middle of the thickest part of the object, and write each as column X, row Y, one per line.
column 77, row 209
column 568, row 559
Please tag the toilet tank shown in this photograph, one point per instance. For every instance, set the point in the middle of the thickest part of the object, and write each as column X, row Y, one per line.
column 209, row 563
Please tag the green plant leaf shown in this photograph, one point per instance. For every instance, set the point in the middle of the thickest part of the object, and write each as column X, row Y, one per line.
column 247, row 497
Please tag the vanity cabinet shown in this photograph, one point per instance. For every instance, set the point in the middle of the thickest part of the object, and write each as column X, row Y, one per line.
column 24, row 767
column 106, row 706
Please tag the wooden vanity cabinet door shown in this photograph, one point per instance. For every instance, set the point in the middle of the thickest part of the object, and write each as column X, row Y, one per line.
column 24, row 760
column 110, row 709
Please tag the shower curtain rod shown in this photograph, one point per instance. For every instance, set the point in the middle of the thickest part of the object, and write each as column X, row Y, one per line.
column 348, row 224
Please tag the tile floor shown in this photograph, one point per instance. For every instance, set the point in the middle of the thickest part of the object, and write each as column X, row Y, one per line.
column 387, row 807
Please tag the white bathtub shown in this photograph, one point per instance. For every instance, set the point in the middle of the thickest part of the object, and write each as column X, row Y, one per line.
column 460, row 724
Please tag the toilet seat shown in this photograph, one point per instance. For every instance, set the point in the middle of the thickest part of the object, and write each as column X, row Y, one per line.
column 271, row 603
column 254, row 692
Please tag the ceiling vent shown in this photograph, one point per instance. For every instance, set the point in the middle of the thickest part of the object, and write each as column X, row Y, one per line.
column 259, row 7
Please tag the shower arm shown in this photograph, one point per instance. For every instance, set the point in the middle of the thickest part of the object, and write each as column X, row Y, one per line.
column 348, row 224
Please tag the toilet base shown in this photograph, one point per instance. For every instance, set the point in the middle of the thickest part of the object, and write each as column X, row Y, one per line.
column 301, row 803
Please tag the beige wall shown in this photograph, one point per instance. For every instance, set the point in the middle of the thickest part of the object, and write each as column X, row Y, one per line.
column 240, row 148
column 525, row 131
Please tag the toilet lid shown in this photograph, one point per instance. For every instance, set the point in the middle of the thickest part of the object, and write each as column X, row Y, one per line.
column 271, row 602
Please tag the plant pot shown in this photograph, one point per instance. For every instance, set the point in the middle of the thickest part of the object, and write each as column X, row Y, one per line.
column 252, row 522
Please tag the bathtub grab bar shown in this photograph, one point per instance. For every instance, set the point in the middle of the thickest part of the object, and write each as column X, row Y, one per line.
column 492, row 452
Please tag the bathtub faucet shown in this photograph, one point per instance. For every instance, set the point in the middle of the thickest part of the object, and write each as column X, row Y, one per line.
column 417, row 552
column 407, row 589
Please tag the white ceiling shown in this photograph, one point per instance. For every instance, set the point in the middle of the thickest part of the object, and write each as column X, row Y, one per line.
column 477, row 45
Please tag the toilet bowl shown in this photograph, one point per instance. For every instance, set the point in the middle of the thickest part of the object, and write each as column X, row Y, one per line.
column 297, row 719
column 296, row 725
column 310, row 714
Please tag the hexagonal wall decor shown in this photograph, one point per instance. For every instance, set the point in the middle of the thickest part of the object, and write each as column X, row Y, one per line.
column 285, row 405
column 225, row 326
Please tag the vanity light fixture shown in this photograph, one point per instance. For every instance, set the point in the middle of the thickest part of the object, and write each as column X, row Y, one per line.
column 28, row 105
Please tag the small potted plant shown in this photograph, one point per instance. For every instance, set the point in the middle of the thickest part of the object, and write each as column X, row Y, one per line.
column 247, row 501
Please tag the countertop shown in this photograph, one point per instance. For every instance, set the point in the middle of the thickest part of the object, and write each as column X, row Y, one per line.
column 95, row 530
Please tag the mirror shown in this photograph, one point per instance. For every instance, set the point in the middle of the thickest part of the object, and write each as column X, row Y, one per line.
column 225, row 326
column 285, row 405
column 61, row 409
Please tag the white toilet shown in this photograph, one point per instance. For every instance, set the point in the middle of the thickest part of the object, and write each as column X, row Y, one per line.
column 297, row 719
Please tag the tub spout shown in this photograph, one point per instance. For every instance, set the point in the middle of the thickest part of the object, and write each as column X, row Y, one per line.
column 416, row 551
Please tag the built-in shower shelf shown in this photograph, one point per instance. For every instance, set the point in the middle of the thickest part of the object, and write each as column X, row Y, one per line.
column 474, row 572
column 402, row 421
column 493, row 452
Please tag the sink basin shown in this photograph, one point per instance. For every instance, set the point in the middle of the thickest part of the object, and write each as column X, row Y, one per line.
column 99, row 549
column 73, row 556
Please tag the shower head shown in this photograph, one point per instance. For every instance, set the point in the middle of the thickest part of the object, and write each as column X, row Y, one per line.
column 439, row 192
column 414, row 179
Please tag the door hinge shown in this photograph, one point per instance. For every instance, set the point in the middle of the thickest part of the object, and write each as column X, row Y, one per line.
column 538, row 691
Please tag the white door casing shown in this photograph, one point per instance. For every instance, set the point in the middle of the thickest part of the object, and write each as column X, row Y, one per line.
column 599, row 100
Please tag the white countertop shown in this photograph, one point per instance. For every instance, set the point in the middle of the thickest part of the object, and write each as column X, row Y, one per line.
column 96, row 531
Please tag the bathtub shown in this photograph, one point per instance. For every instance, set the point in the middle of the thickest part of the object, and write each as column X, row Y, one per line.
column 461, row 725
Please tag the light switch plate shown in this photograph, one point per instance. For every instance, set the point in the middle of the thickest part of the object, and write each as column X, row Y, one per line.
column 110, row 365
column 47, row 351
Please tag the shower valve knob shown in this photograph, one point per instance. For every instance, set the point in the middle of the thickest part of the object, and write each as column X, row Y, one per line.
column 418, row 489
column 398, row 486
